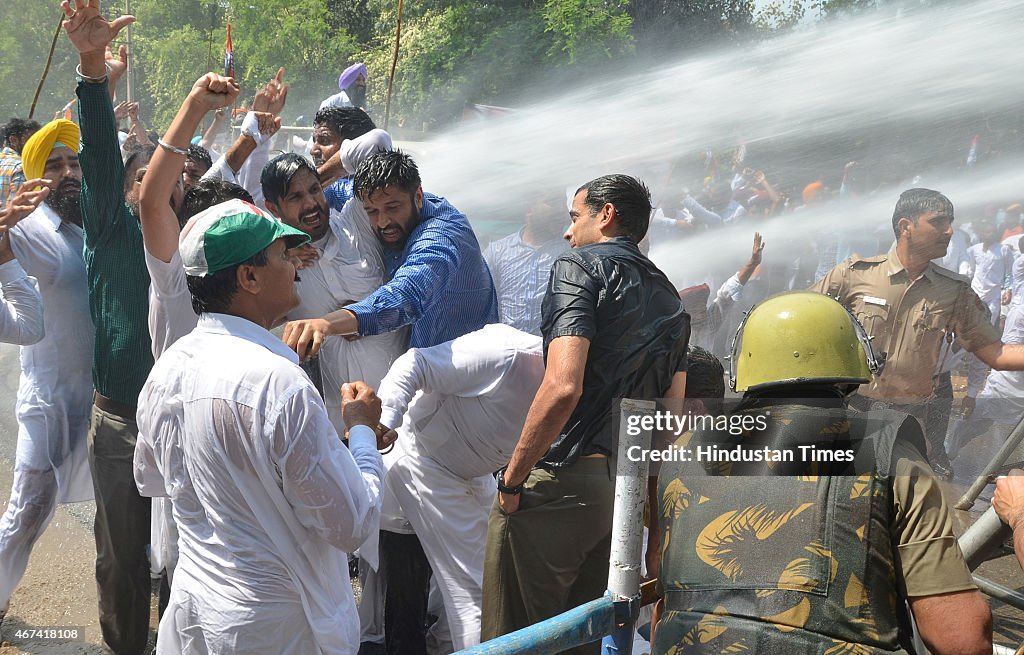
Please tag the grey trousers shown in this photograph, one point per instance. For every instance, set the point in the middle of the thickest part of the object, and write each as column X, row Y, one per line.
column 122, row 534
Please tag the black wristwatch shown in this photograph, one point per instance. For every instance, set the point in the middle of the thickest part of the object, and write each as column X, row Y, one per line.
column 512, row 491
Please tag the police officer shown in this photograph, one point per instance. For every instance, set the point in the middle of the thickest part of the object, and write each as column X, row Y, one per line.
column 911, row 307
column 810, row 562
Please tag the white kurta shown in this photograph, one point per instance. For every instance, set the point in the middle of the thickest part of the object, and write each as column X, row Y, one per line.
column 476, row 391
column 265, row 496
column 55, row 391
column 21, row 306
column 350, row 268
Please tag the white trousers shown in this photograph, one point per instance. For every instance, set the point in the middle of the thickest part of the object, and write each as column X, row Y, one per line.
column 29, row 511
column 449, row 515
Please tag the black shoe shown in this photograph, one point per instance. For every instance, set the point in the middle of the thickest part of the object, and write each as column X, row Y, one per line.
column 943, row 471
column 371, row 648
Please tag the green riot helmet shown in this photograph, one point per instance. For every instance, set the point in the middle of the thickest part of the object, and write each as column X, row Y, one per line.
column 800, row 337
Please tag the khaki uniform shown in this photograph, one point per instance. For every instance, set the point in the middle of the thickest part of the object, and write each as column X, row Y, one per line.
column 805, row 565
column 910, row 320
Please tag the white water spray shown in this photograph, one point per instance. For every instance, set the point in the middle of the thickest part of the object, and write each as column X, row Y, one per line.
column 807, row 90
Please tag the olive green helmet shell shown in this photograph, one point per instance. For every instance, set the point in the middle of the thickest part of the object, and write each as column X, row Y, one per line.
column 800, row 337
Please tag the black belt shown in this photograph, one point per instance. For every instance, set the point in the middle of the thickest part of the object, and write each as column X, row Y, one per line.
column 113, row 407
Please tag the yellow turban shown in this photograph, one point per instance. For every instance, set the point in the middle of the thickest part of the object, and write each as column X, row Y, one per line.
column 38, row 148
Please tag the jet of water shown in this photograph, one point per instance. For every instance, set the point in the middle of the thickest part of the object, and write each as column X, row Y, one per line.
column 810, row 90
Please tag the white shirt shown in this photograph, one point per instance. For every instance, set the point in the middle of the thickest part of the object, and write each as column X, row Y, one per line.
column 476, row 389
column 265, row 496
column 1017, row 281
column 170, row 304
column 21, row 306
column 350, row 268
column 1008, row 385
column 956, row 254
column 989, row 267
column 55, row 390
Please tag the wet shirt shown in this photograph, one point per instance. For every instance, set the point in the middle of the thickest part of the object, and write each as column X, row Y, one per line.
column 439, row 283
column 908, row 319
column 613, row 296
column 114, row 255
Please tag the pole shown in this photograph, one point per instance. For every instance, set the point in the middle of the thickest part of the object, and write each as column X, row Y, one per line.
column 1009, row 446
column 628, row 523
column 46, row 69
column 394, row 63
column 977, row 542
column 130, row 73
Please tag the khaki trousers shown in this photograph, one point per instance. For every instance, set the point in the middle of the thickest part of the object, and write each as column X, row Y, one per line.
column 552, row 553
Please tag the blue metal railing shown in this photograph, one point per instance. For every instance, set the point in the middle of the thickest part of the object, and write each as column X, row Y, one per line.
column 582, row 625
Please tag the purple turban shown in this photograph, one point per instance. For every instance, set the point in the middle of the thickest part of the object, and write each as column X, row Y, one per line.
column 351, row 74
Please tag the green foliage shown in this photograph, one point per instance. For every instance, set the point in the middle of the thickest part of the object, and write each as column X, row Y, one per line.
column 587, row 30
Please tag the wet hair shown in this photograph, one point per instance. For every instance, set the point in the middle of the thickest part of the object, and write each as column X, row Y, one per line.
column 630, row 197
column 143, row 153
column 278, row 174
column 18, row 128
column 213, row 293
column 705, row 376
column 384, row 169
column 200, row 155
column 914, row 203
column 346, row 122
column 207, row 193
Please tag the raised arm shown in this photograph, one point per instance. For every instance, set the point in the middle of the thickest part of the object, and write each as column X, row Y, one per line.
column 159, row 223
column 21, row 311
column 259, row 126
column 100, row 155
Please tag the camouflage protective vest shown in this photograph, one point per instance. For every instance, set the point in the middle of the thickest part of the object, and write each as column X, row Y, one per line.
column 796, row 565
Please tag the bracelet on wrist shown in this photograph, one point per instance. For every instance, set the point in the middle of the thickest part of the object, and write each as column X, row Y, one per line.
column 93, row 80
column 172, row 149
column 505, row 489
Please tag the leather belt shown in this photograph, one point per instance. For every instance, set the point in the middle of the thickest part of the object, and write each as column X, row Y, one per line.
column 113, row 407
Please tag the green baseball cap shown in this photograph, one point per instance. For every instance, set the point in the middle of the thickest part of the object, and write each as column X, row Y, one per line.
column 228, row 234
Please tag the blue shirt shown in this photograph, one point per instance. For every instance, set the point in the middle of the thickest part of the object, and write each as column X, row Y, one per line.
column 338, row 193
column 438, row 283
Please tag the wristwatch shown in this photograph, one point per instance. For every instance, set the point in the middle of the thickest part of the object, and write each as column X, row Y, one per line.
column 512, row 491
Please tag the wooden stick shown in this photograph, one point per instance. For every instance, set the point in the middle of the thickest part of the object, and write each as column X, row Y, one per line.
column 394, row 63
column 46, row 70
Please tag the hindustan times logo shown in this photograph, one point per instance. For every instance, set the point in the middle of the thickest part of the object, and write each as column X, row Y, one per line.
column 662, row 421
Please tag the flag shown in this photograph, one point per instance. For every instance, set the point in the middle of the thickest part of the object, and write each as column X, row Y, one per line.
column 972, row 154
column 229, row 56
column 65, row 113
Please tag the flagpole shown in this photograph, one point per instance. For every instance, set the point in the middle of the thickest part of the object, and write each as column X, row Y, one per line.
column 46, row 69
column 394, row 63
column 131, row 69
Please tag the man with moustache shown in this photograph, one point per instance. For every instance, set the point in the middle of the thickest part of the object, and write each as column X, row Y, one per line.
column 910, row 306
column 332, row 126
column 55, row 390
column 235, row 433
column 348, row 269
column 521, row 263
column 438, row 282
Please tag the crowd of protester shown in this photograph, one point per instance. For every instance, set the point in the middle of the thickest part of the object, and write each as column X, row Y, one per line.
column 435, row 416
